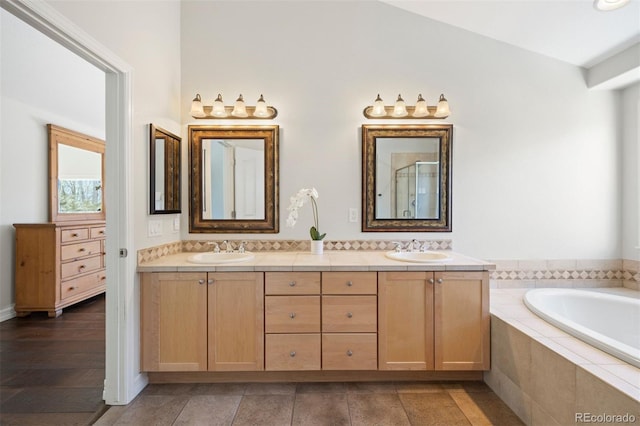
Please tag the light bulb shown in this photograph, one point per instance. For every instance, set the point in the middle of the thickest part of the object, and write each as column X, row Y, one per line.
column 218, row 107
column 239, row 110
column 400, row 109
column 261, row 108
column 378, row 108
column 443, row 108
column 421, row 107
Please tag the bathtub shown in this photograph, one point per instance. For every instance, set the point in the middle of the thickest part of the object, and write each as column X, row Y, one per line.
column 607, row 321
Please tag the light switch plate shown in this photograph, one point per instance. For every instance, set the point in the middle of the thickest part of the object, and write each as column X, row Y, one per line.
column 176, row 223
column 155, row 228
column 353, row 214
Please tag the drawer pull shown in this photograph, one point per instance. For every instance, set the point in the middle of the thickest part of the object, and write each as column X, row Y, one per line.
column 81, row 267
column 200, row 281
column 102, row 278
column 430, row 280
column 81, row 249
column 292, row 315
column 209, row 282
column 439, row 280
column 349, row 353
column 292, row 354
column 349, row 315
column 292, row 284
column 101, row 232
column 73, row 287
column 349, row 283
column 74, row 235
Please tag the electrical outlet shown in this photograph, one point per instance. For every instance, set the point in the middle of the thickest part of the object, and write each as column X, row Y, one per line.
column 353, row 214
column 155, row 228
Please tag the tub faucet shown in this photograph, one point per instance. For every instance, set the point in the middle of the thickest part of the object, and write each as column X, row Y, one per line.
column 228, row 247
column 216, row 247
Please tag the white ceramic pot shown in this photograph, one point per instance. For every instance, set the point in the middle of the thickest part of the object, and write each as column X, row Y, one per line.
column 317, row 247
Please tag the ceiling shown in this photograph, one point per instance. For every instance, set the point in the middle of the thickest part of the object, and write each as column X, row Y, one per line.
column 572, row 31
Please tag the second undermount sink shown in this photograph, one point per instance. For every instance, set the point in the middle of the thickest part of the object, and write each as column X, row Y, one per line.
column 222, row 257
column 418, row 256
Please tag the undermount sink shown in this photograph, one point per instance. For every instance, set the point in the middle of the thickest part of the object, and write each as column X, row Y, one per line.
column 222, row 257
column 418, row 256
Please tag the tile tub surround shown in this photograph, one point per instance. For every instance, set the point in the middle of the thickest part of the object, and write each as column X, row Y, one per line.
column 546, row 376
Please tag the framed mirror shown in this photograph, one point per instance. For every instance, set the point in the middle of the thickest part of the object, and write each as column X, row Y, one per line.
column 165, row 159
column 233, row 179
column 406, row 178
column 76, row 176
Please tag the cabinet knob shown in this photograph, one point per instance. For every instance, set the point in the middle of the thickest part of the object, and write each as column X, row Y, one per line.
column 73, row 287
column 349, row 283
column 200, row 281
column 292, row 354
column 439, row 280
column 349, row 315
column 292, row 315
column 74, row 235
column 81, row 249
column 292, row 284
column 349, row 352
column 210, row 281
column 431, row 281
column 81, row 267
column 102, row 278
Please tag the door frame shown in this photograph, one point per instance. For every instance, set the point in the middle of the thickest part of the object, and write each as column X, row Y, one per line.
column 123, row 380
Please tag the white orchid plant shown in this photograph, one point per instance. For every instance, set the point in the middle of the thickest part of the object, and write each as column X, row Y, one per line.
column 298, row 201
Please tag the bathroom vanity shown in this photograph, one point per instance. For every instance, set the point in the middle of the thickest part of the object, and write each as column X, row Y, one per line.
column 305, row 317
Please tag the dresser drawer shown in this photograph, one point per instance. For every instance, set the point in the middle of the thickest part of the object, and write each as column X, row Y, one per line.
column 292, row 283
column 81, row 266
column 349, row 314
column 349, row 283
column 75, row 234
column 97, row 232
column 82, row 284
column 353, row 351
column 292, row 352
column 292, row 314
column 74, row 251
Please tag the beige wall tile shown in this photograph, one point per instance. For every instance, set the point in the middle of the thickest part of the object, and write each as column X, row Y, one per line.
column 596, row 397
column 511, row 353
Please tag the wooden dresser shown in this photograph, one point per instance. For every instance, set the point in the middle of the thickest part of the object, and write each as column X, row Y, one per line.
column 58, row 264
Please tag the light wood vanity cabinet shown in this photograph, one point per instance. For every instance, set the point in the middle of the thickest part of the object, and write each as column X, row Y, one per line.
column 58, row 265
column 202, row 321
column 433, row 321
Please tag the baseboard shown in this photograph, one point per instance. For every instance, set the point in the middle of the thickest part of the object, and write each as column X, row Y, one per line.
column 7, row 313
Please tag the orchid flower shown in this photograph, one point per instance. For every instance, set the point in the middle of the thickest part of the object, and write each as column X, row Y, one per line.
column 296, row 202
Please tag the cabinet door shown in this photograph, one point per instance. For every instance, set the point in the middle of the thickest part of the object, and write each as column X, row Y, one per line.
column 173, row 321
column 405, row 321
column 236, row 321
column 462, row 321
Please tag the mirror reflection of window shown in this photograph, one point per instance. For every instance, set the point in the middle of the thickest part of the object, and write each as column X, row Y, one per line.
column 160, row 195
column 79, row 180
column 233, row 179
column 407, row 178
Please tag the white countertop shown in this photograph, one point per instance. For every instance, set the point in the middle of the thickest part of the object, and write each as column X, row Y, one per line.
column 338, row 260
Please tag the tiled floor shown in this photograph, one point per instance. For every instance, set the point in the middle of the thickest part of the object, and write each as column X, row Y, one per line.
column 464, row 403
column 52, row 369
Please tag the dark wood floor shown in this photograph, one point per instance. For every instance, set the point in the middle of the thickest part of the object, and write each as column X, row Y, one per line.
column 52, row 369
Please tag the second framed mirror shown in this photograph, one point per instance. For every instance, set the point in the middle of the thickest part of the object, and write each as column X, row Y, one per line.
column 233, row 179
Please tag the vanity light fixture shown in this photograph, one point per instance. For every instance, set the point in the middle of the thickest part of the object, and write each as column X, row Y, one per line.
column 238, row 111
column 607, row 5
column 401, row 110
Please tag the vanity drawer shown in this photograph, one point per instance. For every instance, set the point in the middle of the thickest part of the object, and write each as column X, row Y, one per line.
column 292, row 314
column 292, row 352
column 292, row 283
column 81, row 266
column 74, row 251
column 349, row 314
column 76, row 234
column 352, row 351
column 349, row 283
column 82, row 284
column 98, row 232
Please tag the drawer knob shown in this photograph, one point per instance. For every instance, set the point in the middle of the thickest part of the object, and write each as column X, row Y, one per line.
column 200, row 281
column 292, row 284
column 349, row 353
column 349, row 315
column 292, row 315
column 102, row 278
column 439, row 280
column 430, row 280
column 292, row 354
column 81, row 249
column 209, row 281
column 81, row 267
column 74, row 235
column 73, row 287
column 349, row 283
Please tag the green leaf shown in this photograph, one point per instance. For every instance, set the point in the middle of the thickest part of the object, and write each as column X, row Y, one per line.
column 315, row 235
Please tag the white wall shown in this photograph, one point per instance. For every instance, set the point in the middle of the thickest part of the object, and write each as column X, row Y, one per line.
column 41, row 82
column 536, row 156
column 630, row 173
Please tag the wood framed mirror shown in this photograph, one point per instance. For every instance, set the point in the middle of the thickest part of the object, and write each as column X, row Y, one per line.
column 233, row 179
column 76, row 176
column 406, row 178
column 165, row 160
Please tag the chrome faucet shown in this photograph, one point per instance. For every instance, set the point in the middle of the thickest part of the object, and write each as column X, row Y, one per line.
column 241, row 247
column 415, row 245
column 398, row 247
column 228, row 247
column 216, row 247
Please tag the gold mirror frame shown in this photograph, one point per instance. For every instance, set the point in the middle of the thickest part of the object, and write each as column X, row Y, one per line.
column 370, row 133
column 61, row 136
column 270, row 135
column 171, row 170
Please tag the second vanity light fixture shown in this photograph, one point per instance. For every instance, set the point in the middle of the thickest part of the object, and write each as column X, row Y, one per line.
column 401, row 110
column 238, row 110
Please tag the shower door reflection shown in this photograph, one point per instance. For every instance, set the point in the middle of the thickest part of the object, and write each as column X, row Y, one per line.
column 417, row 191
